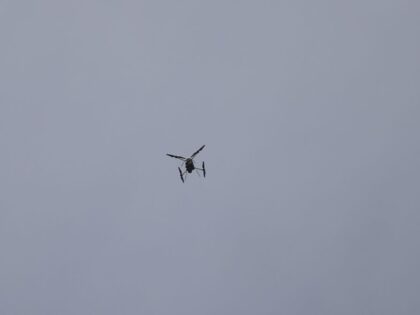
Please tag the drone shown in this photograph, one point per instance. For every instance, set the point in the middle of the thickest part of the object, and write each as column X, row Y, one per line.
column 189, row 165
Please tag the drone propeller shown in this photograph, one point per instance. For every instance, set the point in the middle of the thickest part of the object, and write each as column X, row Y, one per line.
column 177, row 157
column 204, row 170
column 180, row 174
column 196, row 152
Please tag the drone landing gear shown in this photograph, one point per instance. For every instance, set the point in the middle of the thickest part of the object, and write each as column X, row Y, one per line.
column 203, row 169
column 180, row 174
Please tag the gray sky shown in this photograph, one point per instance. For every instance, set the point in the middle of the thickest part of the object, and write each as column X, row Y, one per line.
column 310, row 114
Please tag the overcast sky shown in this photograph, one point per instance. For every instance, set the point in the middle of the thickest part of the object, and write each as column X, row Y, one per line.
column 310, row 112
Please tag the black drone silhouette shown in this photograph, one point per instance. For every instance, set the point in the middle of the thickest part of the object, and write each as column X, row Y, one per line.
column 189, row 164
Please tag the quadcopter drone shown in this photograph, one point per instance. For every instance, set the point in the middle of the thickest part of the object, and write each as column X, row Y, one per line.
column 189, row 164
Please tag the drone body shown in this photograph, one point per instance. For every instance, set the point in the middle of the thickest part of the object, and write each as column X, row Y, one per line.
column 189, row 164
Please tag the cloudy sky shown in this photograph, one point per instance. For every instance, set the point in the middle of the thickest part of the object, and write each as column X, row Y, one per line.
column 310, row 112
